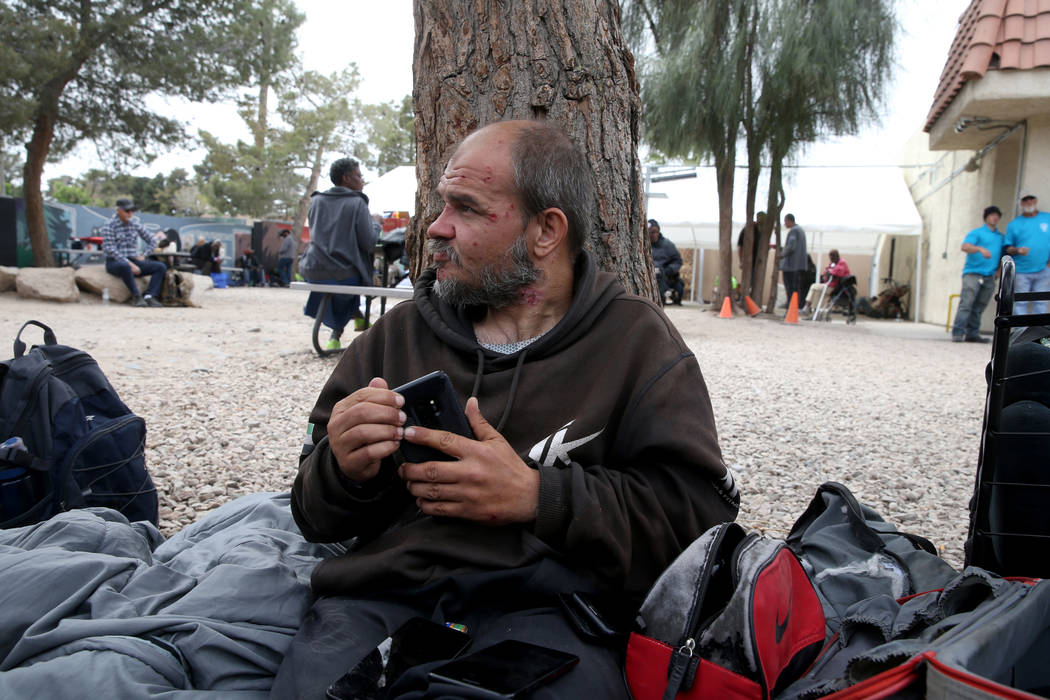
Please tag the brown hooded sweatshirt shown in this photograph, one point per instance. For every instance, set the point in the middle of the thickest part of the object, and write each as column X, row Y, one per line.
column 609, row 405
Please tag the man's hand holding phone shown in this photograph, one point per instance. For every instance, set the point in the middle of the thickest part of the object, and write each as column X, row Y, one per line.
column 486, row 481
column 366, row 427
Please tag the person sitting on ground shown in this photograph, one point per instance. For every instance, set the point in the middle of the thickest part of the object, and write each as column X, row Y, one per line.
column 251, row 269
column 206, row 256
column 120, row 237
column 668, row 263
column 835, row 271
column 585, row 473
column 342, row 241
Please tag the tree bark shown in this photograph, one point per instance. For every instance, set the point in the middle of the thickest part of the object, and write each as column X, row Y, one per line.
column 304, row 203
column 481, row 61
column 32, row 173
column 775, row 204
column 262, row 115
column 725, row 166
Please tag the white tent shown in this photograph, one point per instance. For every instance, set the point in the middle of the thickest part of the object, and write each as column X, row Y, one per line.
column 847, row 208
column 394, row 191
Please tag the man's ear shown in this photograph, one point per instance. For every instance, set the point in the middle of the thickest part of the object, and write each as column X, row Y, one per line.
column 553, row 230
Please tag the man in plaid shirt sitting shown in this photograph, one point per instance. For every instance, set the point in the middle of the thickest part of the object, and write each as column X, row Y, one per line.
column 122, row 257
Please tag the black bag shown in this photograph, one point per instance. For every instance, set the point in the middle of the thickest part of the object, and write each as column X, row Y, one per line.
column 69, row 441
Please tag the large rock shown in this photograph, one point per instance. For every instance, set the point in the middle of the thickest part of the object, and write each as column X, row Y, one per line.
column 94, row 278
column 201, row 283
column 7, row 278
column 47, row 283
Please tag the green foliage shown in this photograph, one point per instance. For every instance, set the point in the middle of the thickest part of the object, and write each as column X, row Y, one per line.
column 242, row 180
column 781, row 72
column 320, row 114
column 86, row 68
column 64, row 190
column 790, row 71
column 389, row 135
column 173, row 194
column 318, row 117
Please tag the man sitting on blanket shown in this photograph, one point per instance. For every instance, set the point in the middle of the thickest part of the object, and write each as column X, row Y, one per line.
column 595, row 462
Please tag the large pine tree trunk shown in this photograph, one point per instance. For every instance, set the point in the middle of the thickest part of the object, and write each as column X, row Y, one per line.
column 36, row 155
column 481, row 61
column 725, row 165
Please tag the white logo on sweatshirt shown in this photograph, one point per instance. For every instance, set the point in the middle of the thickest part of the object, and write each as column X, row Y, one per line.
column 553, row 448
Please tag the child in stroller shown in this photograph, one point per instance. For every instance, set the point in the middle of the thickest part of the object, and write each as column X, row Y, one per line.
column 838, row 291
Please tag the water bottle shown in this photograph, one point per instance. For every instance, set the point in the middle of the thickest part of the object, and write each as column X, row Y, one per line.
column 105, row 296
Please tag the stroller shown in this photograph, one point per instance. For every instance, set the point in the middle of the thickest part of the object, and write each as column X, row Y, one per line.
column 843, row 299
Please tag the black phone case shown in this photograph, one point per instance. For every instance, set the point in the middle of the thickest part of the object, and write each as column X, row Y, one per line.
column 508, row 669
column 417, row 641
column 431, row 402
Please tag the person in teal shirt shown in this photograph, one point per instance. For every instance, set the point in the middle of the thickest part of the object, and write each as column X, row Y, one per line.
column 1028, row 241
column 983, row 247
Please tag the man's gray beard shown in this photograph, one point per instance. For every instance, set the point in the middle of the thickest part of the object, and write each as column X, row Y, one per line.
column 496, row 285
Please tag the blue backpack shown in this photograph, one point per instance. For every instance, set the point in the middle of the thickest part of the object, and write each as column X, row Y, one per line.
column 68, row 439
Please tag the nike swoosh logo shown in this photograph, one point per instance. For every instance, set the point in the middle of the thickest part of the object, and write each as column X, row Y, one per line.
column 782, row 626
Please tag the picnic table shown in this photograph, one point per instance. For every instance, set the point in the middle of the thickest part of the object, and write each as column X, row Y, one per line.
column 368, row 293
column 77, row 256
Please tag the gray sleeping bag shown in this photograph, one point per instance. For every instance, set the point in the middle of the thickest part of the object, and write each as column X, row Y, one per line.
column 95, row 606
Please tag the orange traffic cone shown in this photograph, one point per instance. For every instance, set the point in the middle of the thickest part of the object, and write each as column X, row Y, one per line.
column 792, row 315
column 752, row 307
column 727, row 309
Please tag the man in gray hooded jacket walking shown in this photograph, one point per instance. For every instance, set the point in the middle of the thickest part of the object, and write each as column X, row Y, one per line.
column 793, row 260
column 342, row 240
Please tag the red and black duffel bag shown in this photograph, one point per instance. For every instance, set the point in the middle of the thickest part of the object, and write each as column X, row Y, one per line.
column 735, row 616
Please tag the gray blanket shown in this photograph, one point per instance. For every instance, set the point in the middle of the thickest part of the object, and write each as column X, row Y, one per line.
column 93, row 606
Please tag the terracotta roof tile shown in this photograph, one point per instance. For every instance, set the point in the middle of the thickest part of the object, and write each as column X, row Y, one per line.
column 993, row 35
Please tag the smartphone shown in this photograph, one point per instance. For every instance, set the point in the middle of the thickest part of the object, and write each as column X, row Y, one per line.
column 416, row 642
column 431, row 402
column 509, row 669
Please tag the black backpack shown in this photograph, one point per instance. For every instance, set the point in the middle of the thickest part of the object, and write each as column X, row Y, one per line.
column 69, row 441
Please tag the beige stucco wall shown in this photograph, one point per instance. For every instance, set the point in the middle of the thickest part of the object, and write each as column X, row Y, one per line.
column 1021, row 162
column 1037, row 160
column 950, row 212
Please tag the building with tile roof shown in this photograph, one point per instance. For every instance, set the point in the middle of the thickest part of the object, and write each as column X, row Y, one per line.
column 986, row 137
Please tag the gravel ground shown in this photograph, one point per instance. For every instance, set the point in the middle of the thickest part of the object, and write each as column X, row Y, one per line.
column 892, row 410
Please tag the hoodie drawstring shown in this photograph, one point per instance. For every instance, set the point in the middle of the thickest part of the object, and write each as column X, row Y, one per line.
column 477, row 378
column 513, row 384
column 513, row 390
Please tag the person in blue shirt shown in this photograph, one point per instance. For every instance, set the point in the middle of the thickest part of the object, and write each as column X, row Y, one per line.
column 983, row 247
column 1028, row 241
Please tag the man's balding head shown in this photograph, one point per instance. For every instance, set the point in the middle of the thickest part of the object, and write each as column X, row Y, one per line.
column 548, row 170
